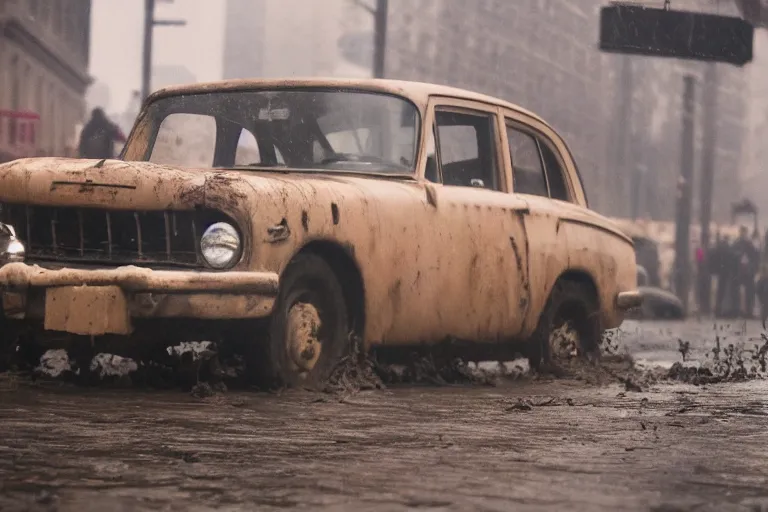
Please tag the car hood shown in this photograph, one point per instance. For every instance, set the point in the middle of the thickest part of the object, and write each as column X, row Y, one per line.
column 109, row 183
column 148, row 186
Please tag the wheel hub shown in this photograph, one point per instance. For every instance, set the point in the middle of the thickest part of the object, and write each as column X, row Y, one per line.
column 304, row 346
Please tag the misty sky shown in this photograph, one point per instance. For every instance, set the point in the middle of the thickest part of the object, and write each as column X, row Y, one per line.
column 116, row 42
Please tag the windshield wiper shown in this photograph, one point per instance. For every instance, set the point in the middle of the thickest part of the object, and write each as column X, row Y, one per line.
column 348, row 157
column 362, row 159
column 257, row 166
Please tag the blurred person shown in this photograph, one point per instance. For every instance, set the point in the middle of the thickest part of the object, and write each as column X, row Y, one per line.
column 747, row 261
column 762, row 282
column 720, row 267
column 97, row 140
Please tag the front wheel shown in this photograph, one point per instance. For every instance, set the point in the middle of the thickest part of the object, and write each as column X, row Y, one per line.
column 569, row 327
column 309, row 333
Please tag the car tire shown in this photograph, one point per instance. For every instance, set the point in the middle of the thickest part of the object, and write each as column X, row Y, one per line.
column 570, row 302
column 309, row 330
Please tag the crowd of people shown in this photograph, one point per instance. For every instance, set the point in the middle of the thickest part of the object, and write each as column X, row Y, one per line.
column 740, row 268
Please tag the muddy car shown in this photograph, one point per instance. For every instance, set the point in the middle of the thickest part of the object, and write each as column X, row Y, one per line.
column 300, row 219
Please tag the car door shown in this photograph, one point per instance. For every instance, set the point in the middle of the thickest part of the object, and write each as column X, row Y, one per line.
column 529, row 156
column 483, row 291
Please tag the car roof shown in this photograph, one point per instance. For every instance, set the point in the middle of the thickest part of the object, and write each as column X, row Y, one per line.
column 418, row 92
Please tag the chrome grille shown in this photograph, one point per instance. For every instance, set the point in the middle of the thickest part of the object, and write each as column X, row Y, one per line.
column 112, row 237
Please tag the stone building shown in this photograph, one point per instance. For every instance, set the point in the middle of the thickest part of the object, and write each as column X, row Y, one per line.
column 44, row 51
column 543, row 55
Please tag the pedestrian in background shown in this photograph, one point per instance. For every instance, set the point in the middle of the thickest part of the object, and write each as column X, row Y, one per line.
column 97, row 141
column 762, row 282
column 747, row 261
column 721, row 268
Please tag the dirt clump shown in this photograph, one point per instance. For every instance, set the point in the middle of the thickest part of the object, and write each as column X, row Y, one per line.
column 527, row 404
column 430, row 369
column 729, row 363
column 354, row 373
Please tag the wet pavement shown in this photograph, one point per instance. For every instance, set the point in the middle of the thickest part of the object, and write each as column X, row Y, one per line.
column 526, row 444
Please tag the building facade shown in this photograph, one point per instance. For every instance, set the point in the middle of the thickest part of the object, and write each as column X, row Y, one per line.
column 621, row 115
column 44, row 51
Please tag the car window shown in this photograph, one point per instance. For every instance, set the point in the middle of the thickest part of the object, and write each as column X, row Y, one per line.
column 185, row 139
column 304, row 129
column 247, row 152
column 466, row 148
column 527, row 168
column 558, row 189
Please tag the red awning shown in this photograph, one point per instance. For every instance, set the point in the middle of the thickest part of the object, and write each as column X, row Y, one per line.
column 19, row 114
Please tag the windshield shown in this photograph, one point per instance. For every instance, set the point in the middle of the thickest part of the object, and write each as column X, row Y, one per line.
column 299, row 129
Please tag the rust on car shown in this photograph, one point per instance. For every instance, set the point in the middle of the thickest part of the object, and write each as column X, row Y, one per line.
column 414, row 258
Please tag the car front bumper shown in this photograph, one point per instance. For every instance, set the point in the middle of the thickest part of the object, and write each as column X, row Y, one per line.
column 629, row 300
column 104, row 301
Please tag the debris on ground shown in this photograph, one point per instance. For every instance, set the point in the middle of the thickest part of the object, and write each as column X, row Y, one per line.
column 684, row 347
column 526, row 404
column 354, row 373
column 202, row 390
column 427, row 369
column 197, row 349
column 110, row 365
column 54, row 364
column 522, row 405
column 729, row 363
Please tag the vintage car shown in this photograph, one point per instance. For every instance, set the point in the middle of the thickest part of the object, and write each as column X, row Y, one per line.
column 375, row 212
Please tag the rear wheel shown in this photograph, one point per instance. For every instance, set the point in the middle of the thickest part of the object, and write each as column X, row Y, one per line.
column 309, row 332
column 569, row 328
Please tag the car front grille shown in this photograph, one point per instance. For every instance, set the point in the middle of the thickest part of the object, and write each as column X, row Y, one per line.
column 109, row 237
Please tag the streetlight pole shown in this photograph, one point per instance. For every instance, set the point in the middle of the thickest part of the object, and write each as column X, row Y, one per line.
column 380, row 15
column 149, row 25
column 682, row 264
column 380, row 38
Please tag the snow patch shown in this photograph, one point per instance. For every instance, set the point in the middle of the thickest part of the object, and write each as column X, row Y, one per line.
column 110, row 365
column 54, row 363
column 197, row 348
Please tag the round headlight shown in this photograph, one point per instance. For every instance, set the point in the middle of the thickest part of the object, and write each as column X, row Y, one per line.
column 220, row 245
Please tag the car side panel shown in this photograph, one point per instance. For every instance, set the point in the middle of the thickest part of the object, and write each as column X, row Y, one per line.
column 429, row 271
column 599, row 248
column 547, row 254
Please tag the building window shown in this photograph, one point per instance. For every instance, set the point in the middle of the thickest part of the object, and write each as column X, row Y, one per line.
column 38, row 107
column 15, row 86
column 26, row 84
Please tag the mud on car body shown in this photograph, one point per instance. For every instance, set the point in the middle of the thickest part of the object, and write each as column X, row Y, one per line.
column 299, row 215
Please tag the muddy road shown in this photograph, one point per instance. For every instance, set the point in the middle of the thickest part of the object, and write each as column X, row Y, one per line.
column 527, row 443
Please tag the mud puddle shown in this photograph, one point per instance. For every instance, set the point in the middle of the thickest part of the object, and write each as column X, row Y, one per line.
column 613, row 436
column 528, row 445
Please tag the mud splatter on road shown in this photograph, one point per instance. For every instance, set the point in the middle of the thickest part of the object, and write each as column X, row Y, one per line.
column 526, row 444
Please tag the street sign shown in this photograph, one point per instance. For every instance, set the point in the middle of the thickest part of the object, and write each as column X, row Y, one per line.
column 640, row 30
